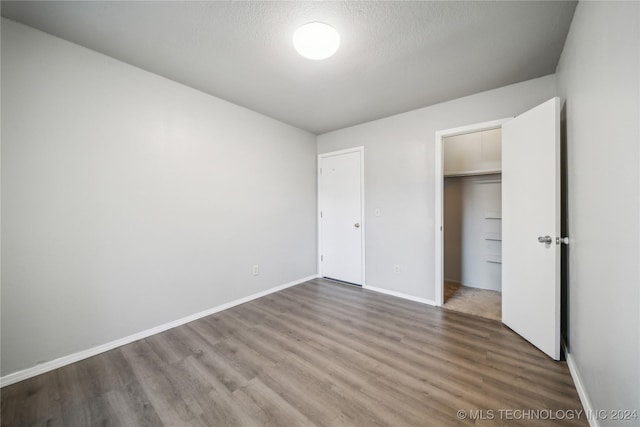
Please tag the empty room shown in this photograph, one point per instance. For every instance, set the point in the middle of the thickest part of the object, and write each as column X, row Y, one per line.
column 320, row 213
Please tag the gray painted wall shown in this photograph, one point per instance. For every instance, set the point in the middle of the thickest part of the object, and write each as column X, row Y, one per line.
column 399, row 178
column 129, row 200
column 599, row 75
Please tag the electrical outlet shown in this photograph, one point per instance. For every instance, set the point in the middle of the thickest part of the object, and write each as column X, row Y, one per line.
column 256, row 270
column 396, row 268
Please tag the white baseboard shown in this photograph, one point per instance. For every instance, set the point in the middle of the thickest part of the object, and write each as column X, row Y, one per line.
column 84, row 354
column 400, row 295
column 469, row 285
column 582, row 391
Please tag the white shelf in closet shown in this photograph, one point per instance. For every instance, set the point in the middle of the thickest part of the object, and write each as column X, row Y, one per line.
column 492, row 236
column 453, row 174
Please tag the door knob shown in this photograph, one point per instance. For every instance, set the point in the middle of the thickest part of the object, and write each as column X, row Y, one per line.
column 546, row 240
column 356, row 225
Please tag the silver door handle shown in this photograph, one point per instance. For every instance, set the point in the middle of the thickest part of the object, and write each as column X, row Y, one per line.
column 546, row 240
column 356, row 225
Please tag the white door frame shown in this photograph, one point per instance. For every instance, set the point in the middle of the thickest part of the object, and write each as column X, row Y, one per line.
column 359, row 149
column 439, row 179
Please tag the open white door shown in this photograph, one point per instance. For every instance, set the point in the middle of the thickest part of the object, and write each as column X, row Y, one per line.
column 531, row 223
column 341, row 216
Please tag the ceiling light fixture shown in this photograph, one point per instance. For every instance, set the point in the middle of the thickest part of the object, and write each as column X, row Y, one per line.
column 316, row 40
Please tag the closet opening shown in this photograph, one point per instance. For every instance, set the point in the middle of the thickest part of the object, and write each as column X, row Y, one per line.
column 472, row 223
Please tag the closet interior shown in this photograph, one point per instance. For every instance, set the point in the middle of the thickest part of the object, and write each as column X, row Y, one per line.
column 473, row 223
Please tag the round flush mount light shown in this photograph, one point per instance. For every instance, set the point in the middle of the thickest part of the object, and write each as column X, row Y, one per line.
column 316, row 40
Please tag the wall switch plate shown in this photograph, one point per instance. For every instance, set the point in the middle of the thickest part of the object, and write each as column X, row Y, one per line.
column 256, row 270
column 396, row 268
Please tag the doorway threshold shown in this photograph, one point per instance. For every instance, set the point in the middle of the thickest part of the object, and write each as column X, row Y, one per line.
column 342, row 282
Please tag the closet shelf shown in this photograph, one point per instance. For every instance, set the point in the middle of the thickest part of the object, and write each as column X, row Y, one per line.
column 452, row 174
column 492, row 236
column 497, row 259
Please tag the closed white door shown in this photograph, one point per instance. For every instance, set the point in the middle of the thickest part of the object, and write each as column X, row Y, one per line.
column 531, row 224
column 341, row 225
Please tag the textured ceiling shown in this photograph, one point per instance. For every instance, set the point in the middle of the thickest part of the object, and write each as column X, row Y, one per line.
column 393, row 57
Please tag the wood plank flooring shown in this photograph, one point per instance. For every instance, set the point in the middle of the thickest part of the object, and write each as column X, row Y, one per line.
column 319, row 353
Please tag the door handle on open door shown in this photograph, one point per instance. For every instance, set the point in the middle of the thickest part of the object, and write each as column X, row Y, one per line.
column 546, row 240
column 356, row 225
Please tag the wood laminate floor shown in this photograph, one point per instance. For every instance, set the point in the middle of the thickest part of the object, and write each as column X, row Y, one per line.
column 479, row 302
column 319, row 353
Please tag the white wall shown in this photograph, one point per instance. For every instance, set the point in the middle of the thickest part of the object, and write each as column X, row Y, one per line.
column 469, row 256
column 453, row 233
column 129, row 200
column 399, row 178
column 599, row 75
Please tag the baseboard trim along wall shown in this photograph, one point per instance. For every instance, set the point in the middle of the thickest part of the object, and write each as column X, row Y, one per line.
column 399, row 295
column 468, row 285
column 589, row 410
column 76, row 357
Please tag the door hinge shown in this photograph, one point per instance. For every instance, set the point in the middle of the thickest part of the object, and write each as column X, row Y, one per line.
column 321, row 258
column 320, row 214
